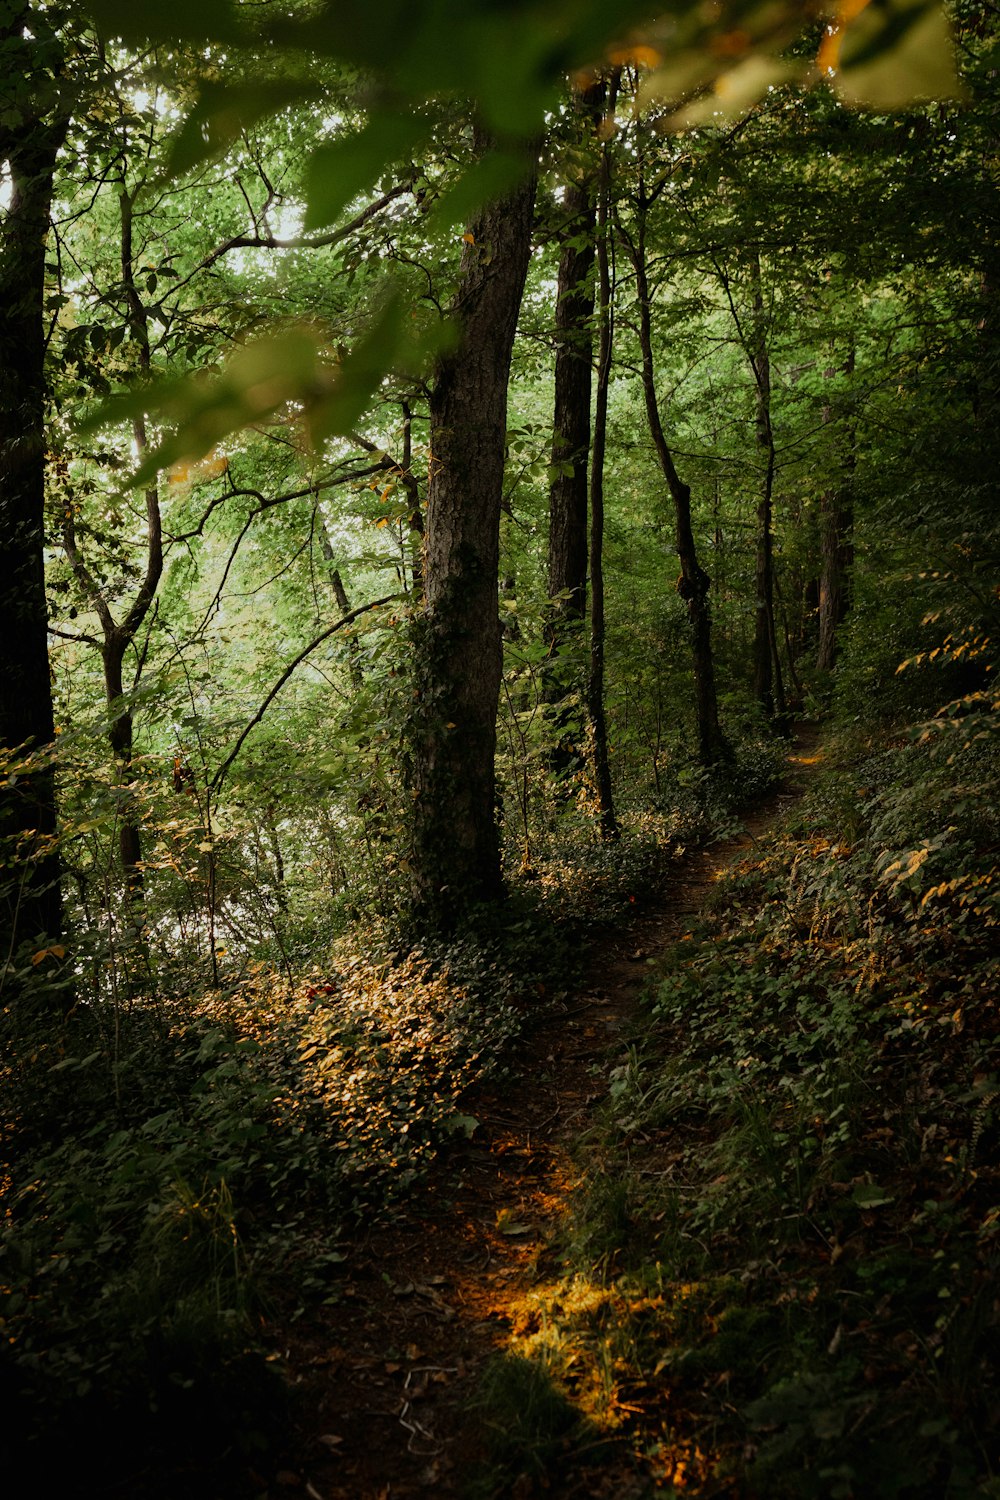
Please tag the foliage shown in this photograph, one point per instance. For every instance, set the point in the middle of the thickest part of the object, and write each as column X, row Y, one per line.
column 240, row 1048
column 179, row 1176
column 790, row 1217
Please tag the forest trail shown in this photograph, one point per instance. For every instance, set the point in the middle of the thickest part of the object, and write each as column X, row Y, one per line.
column 384, row 1378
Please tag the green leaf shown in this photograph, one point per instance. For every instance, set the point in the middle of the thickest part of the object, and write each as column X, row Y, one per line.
column 896, row 53
column 870, row 1195
column 738, row 89
column 339, row 171
column 181, row 19
column 259, row 379
column 224, row 111
column 358, row 377
column 490, row 178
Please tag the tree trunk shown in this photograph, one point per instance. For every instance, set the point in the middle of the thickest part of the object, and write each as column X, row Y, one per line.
column 118, row 636
column 343, row 603
column 768, row 685
column 121, row 739
column 595, row 685
column 574, row 346
column 836, row 549
column 694, row 583
column 456, row 854
column 571, row 409
column 30, row 902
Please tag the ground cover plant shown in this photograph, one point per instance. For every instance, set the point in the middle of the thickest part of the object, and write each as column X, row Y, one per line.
column 182, row 1177
column 780, row 1275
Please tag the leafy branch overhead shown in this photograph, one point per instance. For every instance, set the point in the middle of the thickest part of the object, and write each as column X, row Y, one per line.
column 700, row 65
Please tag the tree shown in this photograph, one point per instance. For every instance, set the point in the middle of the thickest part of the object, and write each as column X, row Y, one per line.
column 605, row 348
column 456, row 856
column 694, row 582
column 33, row 120
column 568, row 541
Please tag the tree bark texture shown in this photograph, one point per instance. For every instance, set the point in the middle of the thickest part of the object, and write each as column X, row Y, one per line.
column 30, row 904
column 455, row 854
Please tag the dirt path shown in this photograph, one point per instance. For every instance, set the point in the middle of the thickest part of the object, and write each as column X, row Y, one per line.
column 386, row 1375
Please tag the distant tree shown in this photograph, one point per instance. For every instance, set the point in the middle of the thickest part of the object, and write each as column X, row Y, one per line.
column 693, row 583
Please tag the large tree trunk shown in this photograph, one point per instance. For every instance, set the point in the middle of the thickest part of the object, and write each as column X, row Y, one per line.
column 30, row 904
column 456, row 855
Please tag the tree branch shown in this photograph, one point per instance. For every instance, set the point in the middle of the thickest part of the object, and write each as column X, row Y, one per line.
column 325, row 635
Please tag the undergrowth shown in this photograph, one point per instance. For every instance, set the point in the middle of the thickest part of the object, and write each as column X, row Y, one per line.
column 181, row 1175
column 781, row 1278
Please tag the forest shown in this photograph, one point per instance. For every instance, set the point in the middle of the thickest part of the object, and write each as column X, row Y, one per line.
column 499, row 756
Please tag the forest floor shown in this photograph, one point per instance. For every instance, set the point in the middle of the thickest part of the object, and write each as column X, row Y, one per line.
column 385, row 1379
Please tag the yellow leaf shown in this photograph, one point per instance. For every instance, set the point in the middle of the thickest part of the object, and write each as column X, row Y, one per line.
column 56, row 951
column 828, row 57
column 639, row 56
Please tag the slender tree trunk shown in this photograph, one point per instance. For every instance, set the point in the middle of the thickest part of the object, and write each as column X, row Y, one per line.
column 121, row 738
column 342, row 600
column 415, row 520
column 573, row 367
column 118, row 635
column 694, row 583
column 595, row 685
column 30, row 901
column 836, row 548
column 768, row 684
column 456, row 854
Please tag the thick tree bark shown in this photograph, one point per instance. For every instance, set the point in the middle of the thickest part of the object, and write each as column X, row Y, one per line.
column 595, row 684
column 694, row 583
column 30, row 904
column 455, row 855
